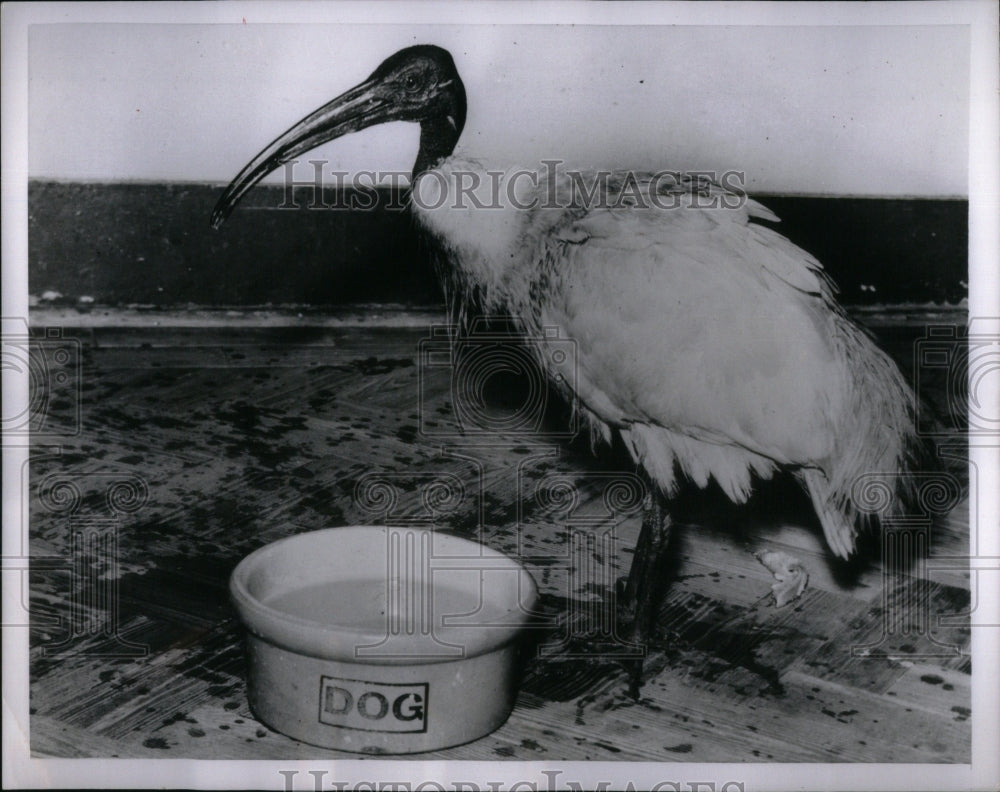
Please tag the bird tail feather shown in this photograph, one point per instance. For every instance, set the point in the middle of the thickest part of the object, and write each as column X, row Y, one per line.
column 877, row 442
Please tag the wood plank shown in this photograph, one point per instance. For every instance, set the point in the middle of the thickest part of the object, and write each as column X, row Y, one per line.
column 245, row 436
column 936, row 690
column 53, row 737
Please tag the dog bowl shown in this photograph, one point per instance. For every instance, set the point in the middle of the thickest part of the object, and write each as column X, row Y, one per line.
column 382, row 640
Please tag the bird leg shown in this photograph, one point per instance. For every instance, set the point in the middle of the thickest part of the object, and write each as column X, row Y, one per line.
column 644, row 588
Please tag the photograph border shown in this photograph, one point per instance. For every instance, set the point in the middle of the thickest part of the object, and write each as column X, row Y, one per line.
column 20, row 770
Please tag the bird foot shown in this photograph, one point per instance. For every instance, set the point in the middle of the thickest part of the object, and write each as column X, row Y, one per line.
column 635, row 679
column 625, row 604
column 789, row 572
column 643, row 669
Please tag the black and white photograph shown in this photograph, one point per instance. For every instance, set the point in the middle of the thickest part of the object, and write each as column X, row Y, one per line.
column 501, row 396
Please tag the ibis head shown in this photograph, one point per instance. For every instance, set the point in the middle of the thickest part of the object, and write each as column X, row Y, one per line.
column 417, row 84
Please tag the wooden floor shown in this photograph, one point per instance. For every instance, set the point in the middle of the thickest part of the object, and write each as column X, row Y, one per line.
column 186, row 447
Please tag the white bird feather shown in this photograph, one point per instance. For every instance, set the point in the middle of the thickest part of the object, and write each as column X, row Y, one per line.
column 709, row 342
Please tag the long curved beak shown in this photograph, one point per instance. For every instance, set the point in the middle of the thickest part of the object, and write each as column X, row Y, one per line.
column 356, row 109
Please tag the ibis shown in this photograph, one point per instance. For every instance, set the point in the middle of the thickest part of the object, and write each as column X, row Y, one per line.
column 712, row 346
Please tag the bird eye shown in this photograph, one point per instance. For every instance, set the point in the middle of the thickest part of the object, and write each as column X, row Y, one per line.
column 412, row 82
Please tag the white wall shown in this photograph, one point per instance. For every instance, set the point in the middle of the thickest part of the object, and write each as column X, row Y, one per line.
column 842, row 110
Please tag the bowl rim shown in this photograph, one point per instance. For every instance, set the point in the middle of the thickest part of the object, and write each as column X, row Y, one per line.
column 338, row 642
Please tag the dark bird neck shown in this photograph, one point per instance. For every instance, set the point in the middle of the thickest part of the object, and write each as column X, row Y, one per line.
column 439, row 134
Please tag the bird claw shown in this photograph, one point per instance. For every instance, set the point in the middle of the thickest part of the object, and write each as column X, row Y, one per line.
column 789, row 572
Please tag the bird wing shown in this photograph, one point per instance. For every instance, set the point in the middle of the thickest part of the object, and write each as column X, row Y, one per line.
column 698, row 321
column 674, row 199
column 705, row 338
